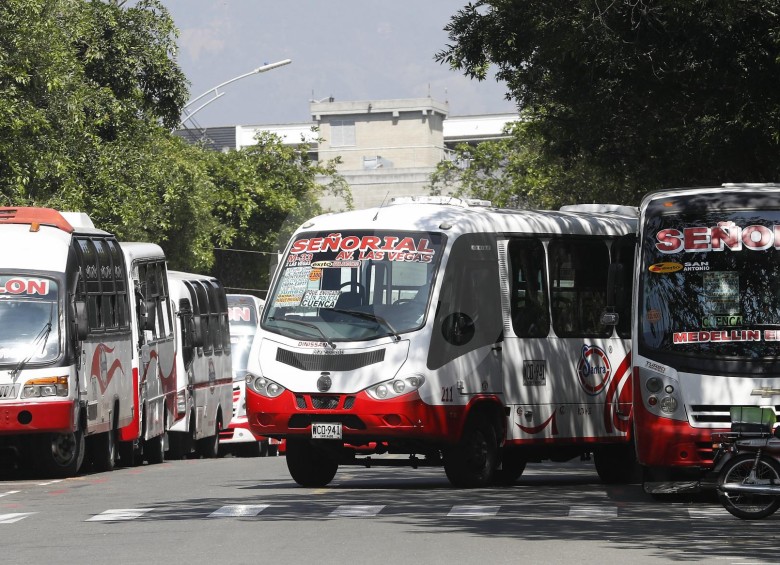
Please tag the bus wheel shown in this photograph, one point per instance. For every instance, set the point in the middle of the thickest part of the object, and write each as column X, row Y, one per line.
column 310, row 465
column 617, row 465
column 512, row 467
column 103, row 450
column 61, row 455
column 208, row 447
column 472, row 462
column 154, row 448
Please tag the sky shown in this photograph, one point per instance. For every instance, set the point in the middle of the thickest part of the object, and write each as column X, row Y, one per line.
column 348, row 49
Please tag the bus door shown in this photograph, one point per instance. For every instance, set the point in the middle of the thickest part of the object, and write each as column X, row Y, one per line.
column 467, row 334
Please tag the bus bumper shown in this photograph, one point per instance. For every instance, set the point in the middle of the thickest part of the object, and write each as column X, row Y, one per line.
column 362, row 418
column 662, row 442
column 33, row 417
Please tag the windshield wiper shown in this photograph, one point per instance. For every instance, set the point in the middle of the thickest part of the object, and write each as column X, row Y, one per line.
column 43, row 336
column 370, row 316
column 325, row 338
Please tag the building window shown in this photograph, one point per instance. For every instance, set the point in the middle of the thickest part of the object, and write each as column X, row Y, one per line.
column 342, row 133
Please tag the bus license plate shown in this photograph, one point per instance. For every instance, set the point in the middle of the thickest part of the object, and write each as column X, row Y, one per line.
column 326, row 431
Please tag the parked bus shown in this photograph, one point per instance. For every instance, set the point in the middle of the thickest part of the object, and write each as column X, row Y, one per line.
column 65, row 341
column 707, row 328
column 154, row 370
column 451, row 332
column 204, row 394
column 244, row 316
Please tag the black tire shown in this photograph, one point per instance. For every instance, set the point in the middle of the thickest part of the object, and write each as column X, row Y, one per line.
column 309, row 464
column 512, row 467
column 154, row 449
column 745, row 505
column 617, row 465
column 208, row 447
column 472, row 463
column 103, row 451
column 273, row 450
column 60, row 455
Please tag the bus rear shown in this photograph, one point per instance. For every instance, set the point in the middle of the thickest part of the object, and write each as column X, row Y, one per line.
column 707, row 323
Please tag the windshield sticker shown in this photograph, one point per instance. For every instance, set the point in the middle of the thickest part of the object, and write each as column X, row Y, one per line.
column 320, row 298
column 292, row 286
column 335, row 264
column 315, row 275
column 697, row 266
column 301, row 260
column 726, row 235
column 367, row 247
column 665, row 268
column 721, row 299
column 18, row 286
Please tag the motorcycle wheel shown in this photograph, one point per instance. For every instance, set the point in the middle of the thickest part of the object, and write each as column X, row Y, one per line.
column 749, row 506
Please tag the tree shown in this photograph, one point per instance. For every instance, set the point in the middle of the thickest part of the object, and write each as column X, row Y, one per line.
column 645, row 93
column 264, row 192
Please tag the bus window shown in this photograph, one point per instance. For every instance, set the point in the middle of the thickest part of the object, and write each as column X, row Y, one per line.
column 468, row 315
column 204, row 310
column 530, row 313
column 578, row 271
column 623, row 253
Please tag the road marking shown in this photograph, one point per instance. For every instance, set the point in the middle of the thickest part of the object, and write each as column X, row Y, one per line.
column 472, row 511
column 593, row 512
column 8, row 492
column 119, row 514
column 356, row 511
column 11, row 518
column 238, row 510
column 711, row 512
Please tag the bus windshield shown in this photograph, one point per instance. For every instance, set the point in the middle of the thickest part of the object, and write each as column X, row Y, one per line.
column 355, row 285
column 29, row 320
column 710, row 283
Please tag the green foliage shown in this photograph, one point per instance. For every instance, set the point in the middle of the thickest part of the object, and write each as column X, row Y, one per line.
column 635, row 93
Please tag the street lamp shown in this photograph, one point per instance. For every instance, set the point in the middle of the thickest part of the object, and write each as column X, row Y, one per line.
column 218, row 94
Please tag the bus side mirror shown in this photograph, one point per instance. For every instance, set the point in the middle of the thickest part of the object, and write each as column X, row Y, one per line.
column 616, row 295
column 82, row 322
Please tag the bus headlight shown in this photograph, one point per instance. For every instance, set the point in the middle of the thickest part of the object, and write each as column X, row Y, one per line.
column 396, row 387
column 668, row 404
column 45, row 386
column 263, row 386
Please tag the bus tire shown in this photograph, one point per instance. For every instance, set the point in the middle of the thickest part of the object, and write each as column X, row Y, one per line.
column 60, row 455
column 154, row 448
column 512, row 467
column 309, row 465
column 617, row 465
column 208, row 447
column 472, row 462
column 745, row 505
column 103, row 450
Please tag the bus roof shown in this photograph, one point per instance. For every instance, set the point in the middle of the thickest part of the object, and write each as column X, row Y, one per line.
column 726, row 188
column 457, row 218
column 68, row 222
column 141, row 250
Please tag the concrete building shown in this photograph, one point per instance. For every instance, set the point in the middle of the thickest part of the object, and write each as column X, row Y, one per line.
column 387, row 147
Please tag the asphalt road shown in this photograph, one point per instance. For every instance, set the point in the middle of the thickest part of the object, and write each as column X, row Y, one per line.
column 245, row 510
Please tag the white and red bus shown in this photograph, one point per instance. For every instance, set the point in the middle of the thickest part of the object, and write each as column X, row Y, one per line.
column 154, row 354
column 452, row 333
column 66, row 376
column 244, row 317
column 204, row 394
column 707, row 324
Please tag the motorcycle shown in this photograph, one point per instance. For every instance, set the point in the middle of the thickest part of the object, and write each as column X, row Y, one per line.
column 747, row 463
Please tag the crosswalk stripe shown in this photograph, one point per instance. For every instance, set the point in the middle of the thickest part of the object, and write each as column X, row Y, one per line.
column 11, row 518
column 119, row 514
column 470, row 511
column 9, row 492
column 238, row 510
column 705, row 512
column 593, row 512
column 356, row 511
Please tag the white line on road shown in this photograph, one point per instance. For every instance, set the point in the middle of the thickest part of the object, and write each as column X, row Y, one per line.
column 356, row 511
column 238, row 510
column 8, row 492
column 593, row 512
column 11, row 518
column 119, row 514
column 471, row 511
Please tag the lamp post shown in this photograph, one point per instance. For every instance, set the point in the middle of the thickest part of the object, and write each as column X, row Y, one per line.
column 217, row 94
